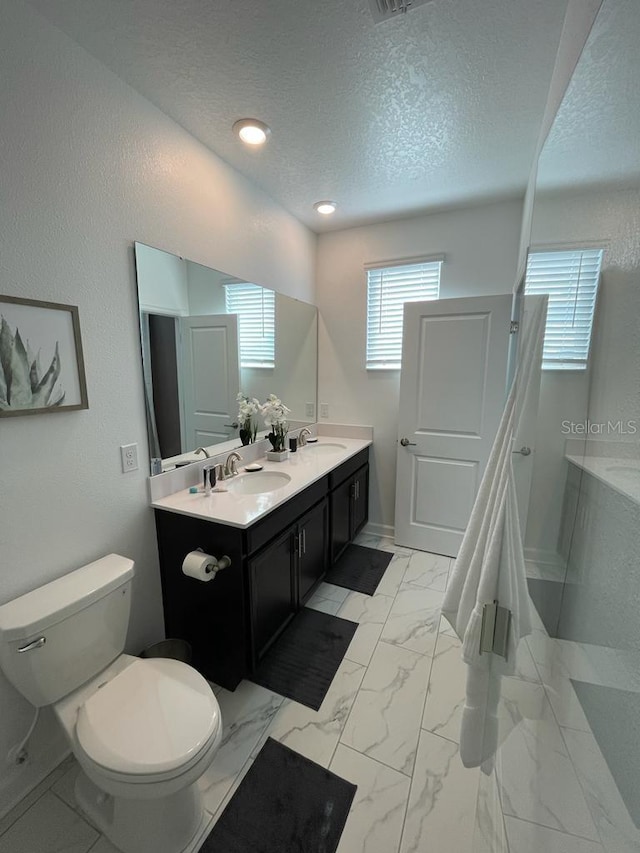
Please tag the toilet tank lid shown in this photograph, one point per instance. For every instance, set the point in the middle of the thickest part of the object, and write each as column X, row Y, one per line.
column 49, row 604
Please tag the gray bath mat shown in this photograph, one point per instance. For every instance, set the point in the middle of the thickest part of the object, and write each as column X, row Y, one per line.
column 285, row 804
column 360, row 569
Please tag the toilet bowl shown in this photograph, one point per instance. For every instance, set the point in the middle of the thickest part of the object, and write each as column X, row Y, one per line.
column 142, row 731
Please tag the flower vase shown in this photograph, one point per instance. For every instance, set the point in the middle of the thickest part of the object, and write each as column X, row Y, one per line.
column 277, row 455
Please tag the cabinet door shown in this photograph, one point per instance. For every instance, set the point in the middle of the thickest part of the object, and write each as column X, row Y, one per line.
column 313, row 532
column 272, row 591
column 360, row 505
column 341, row 499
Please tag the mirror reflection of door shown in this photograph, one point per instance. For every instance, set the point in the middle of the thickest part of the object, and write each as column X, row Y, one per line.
column 163, row 357
column 209, row 350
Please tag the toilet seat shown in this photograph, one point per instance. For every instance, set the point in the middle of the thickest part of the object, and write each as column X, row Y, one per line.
column 154, row 718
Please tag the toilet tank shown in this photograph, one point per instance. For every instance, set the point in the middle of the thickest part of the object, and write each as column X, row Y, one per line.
column 60, row 635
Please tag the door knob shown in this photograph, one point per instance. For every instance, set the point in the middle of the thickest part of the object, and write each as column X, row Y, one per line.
column 524, row 451
column 234, row 425
column 406, row 443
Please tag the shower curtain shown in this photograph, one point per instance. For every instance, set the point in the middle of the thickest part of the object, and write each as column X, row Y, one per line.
column 490, row 567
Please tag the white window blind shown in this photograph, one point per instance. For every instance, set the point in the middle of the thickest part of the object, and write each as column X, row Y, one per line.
column 388, row 288
column 570, row 278
column 256, row 310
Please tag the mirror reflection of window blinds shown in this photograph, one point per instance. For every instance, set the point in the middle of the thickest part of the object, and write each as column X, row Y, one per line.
column 570, row 278
column 256, row 310
column 388, row 288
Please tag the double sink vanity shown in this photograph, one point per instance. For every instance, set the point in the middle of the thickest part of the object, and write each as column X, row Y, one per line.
column 281, row 527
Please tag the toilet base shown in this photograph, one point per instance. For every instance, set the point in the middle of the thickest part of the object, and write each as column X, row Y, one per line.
column 174, row 824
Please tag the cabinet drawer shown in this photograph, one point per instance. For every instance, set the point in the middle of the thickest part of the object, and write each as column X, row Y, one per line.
column 339, row 475
column 262, row 532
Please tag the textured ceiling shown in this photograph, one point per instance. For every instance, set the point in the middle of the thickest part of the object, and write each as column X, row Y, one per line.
column 437, row 108
column 595, row 138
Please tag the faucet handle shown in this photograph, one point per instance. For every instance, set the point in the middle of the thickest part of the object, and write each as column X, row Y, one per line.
column 233, row 464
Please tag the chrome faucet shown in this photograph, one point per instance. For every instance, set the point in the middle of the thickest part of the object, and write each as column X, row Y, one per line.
column 230, row 469
column 302, row 436
column 202, row 450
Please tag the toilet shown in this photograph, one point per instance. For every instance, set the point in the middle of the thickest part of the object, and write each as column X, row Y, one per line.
column 143, row 731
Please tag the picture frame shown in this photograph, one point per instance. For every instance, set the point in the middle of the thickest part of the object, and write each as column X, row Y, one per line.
column 41, row 358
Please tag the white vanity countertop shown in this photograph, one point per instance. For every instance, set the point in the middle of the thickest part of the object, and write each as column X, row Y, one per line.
column 238, row 510
column 621, row 475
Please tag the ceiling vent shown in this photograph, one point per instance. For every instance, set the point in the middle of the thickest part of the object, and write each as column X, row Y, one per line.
column 384, row 10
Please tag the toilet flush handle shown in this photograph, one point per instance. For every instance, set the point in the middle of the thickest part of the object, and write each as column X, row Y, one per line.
column 34, row 644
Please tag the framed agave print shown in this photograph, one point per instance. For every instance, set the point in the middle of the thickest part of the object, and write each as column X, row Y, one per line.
column 41, row 363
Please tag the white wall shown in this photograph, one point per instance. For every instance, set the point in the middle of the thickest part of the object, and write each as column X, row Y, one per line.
column 610, row 390
column 87, row 166
column 481, row 248
column 162, row 282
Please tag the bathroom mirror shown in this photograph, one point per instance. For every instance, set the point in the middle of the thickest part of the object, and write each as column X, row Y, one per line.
column 206, row 336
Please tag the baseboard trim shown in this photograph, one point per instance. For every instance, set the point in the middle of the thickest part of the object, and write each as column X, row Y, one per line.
column 374, row 529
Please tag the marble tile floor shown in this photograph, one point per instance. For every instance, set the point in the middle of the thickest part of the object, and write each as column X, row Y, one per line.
column 390, row 723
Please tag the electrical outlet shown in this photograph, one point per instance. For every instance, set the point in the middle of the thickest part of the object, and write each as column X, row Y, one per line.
column 324, row 410
column 129, row 457
column 309, row 410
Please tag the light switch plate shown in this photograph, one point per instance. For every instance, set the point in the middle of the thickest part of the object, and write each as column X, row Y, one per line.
column 309, row 409
column 129, row 457
column 324, row 410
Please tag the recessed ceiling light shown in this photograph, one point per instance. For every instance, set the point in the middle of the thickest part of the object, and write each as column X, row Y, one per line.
column 252, row 131
column 325, row 207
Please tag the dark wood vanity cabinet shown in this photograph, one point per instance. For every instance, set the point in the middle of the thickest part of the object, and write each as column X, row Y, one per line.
column 284, row 573
column 276, row 564
column 349, row 504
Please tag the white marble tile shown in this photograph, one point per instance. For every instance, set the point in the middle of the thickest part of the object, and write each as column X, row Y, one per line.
column 566, row 705
column 375, row 821
column 537, row 780
column 382, row 543
column 331, row 592
column 65, row 786
column 428, row 570
column 26, row 802
column 446, row 628
column 489, row 835
column 323, row 604
column 221, row 806
column 446, row 692
column 393, row 576
column 103, row 846
column 385, row 719
column 371, row 612
column 49, row 825
column 414, row 619
column 246, row 713
column 618, row 832
column 531, row 838
column 442, row 801
column 315, row 734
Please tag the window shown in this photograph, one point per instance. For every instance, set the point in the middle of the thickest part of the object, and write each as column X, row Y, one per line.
column 570, row 278
column 388, row 288
column 256, row 310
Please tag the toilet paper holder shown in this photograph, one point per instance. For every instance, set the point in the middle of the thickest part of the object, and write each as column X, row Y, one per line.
column 212, row 565
column 216, row 564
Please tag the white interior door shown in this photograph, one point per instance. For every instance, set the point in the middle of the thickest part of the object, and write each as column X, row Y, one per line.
column 210, row 378
column 452, row 394
column 524, row 440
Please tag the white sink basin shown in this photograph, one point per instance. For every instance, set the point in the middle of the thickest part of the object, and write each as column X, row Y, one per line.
column 257, row 483
column 325, row 447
